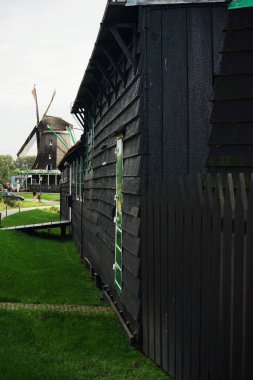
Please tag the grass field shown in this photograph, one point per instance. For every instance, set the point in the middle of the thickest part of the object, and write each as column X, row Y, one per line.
column 44, row 268
column 45, row 196
column 21, row 204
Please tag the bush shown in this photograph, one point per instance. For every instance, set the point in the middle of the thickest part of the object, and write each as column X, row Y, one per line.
column 10, row 202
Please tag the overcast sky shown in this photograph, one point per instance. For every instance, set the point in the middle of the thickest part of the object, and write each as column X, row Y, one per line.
column 47, row 43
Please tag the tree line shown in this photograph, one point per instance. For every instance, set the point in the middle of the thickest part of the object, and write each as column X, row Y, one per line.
column 10, row 167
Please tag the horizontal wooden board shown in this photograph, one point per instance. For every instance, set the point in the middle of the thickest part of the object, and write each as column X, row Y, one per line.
column 237, row 63
column 239, row 40
column 231, row 155
column 231, row 134
column 232, row 111
column 233, row 87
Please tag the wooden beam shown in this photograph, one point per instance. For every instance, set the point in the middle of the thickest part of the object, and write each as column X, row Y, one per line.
column 113, row 62
column 106, row 76
column 122, row 45
column 99, row 86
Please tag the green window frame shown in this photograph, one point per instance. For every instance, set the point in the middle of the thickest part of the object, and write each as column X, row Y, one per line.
column 118, row 221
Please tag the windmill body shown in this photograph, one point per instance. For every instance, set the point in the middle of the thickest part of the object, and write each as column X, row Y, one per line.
column 50, row 148
column 54, row 136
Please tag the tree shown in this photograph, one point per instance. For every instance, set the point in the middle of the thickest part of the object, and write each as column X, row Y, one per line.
column 7, row 168
column 24, row 163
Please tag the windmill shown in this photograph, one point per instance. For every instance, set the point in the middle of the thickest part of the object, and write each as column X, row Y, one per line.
column 54, row 136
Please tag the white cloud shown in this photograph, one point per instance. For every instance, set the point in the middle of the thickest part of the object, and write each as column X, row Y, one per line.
column 45, row 42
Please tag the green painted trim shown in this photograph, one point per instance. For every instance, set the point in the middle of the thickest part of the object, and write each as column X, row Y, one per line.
column 118, row 226
column 58, row 137
column 238, row 4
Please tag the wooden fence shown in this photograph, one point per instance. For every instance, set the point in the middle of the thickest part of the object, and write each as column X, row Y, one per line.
column 197, row 276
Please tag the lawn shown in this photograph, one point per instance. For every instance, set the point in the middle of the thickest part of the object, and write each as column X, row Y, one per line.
column 46, row 345
column 44, row 268
column 45, row 196
column 21, row 204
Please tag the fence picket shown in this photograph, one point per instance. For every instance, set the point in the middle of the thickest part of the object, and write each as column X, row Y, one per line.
column 157, row 274
column 164, row 279
column 187, row 205
column 248, row 293
column 229, row 205
column 145, row 270
column 205, row 278
column 237, row 268
column 172, row 283
column 179, row 282
column 215, row 282
column 151, row 282
column 197, row 199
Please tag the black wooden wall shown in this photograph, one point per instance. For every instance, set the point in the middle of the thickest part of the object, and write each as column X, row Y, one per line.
column 232, row 116
column 182, row 56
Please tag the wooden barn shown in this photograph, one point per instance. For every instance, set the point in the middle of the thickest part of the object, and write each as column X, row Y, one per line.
column 145, row 93
column 157, row 101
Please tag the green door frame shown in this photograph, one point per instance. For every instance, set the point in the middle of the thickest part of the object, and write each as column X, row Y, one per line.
column 118, row 221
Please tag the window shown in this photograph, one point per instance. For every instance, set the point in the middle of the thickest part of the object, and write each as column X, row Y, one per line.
column 49, row 156
column 49, row 167
column 89, row 144
column 77, row 179
column 73, row 172
column 51, row 142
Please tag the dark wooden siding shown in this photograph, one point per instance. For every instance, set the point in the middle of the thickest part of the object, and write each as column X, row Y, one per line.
column 232, row 115
column 182, row 55
column 93, row 218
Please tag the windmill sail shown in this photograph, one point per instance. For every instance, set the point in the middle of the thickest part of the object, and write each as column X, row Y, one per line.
column 31, row 139
column 54, row 93
column 34, row 92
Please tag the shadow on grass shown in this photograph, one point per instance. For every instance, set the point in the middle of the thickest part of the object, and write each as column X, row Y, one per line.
column 49, row 235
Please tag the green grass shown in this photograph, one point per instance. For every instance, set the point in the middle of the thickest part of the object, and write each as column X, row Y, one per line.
column 22, row 204
column 47, row 345
column 41, row 267
column 45, row 196
column 44, row 268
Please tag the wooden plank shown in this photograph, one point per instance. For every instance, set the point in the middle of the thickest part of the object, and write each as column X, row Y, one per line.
column 205, row 279
column 248, row 294
column 215, row 281
column 171, row 268
column 197, row 204
column 175, row 121
column 219, row 18
column 157, row 274
column 233, row 87
column 164, row 278
column 232, row 111
column 237, row 280
column 154, row 93
column 232, row 134
column 145, row 270
column 226, row 297
column 187, row 322
column 179, row 284
column 151, row 283
column 237, row 63
column 200, row 76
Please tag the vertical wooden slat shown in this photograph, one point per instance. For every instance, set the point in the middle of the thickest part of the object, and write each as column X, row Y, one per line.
column 164, row 278
column 179, row 283
column 187, row 280
column 144, row 269
column 215, row 282
column 205, row 279
column 229, row 205
column 197, row 203
column 151, row 283
column 157, row 273
column 248, row 293
column 238, row 266
column 172, row 283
